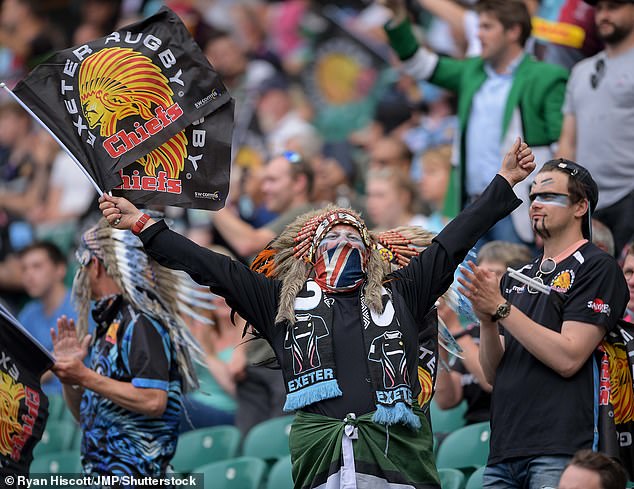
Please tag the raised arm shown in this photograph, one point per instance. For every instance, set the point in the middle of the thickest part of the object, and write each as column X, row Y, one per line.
column 251, row 294
column 451, row 246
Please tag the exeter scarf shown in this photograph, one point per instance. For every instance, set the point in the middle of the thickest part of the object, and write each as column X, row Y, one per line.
column 310, row 370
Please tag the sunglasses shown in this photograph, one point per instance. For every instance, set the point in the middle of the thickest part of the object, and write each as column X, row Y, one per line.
column 83, row 256
column 550, row 198
column 599, row 72
column 546, row 267
column 292, row 157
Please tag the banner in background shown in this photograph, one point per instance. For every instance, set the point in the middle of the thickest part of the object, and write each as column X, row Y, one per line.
column 345, row 77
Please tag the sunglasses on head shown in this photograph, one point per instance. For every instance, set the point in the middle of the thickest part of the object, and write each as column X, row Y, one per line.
column 292, row 157
column 83, row 257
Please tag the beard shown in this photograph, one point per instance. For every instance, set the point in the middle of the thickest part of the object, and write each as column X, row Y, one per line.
column 614, row 36
column 540, row 229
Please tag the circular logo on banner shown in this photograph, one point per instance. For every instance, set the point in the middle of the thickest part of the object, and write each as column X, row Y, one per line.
column 342, row 73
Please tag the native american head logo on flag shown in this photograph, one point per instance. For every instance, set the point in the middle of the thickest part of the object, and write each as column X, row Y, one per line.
column 116, row 83
column 11, row 393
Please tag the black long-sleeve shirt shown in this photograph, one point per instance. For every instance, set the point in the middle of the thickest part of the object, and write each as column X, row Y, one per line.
column 415, row 289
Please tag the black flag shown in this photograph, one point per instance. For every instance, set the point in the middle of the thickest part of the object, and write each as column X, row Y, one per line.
column 23, row 404
column 345, row 76
column 144, row 96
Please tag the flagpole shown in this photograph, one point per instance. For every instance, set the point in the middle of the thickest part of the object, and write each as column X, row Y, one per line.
column 62, row 145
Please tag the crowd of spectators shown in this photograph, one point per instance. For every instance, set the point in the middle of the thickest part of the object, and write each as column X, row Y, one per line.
column 419, row 152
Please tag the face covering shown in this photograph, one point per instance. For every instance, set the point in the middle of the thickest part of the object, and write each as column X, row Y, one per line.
column 339, row 267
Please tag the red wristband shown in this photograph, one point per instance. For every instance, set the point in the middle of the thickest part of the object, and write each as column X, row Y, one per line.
column 138, row 226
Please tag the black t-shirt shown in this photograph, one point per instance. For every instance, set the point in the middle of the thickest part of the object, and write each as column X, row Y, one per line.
column 534, row 410
column 350, row 354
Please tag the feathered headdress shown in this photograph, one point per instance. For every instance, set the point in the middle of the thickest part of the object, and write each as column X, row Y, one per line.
column 165, row 295
column 290, row 257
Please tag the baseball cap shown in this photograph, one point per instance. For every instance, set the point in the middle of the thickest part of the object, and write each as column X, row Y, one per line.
column 594, row 2
column 591, row 190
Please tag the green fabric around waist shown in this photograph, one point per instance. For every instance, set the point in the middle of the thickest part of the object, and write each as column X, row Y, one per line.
column 315, row 443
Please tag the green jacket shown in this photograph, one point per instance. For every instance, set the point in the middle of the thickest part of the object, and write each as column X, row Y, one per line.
column 533, row 107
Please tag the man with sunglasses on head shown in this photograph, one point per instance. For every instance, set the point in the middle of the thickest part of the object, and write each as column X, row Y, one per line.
column 127, row 398
column 599, row 114
column 537, row 336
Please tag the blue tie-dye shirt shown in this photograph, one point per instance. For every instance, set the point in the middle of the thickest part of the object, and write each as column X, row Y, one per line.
column 130, row 347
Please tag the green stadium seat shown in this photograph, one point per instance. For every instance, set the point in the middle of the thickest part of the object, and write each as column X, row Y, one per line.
column 281, row 476
column 63, row 462
column 447, row 420
column 451, row 478
column 204, row 446
column 475, row 481
column 268, row 440
column 235, row 473
column 56, row 406
column 58, row 436
column 466, row 448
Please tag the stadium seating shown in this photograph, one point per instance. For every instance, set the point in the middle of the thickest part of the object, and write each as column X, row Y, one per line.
column 56, row 406
column 204, row 446
column 235, row 473
column 62, row 462
column 475, row 481
column 281, row 476
column 466, row 448
column 447, row 420
column 451, row 478
column 59, row 435
column 268, row 440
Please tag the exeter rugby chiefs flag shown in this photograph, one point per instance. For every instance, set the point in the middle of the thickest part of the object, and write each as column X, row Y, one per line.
column 23, row 404
column 143, row 111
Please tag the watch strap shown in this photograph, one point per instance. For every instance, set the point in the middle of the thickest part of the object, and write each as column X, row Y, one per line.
column 138, row 226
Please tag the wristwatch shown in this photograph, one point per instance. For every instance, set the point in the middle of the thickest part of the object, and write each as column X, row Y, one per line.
column 501, row 312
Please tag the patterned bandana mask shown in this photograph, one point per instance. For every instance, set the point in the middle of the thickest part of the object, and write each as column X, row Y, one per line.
column 340, row 267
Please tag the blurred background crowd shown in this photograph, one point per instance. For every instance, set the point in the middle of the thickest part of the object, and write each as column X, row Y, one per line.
column 323, row 114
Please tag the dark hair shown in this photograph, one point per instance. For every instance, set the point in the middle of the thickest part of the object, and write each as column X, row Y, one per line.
column 610, row 471
column 628, row 250
column 51, row 249
column 509, row 13
column 213, row 35
column 576, row 189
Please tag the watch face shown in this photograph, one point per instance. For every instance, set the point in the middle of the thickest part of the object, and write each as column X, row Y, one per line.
column 502, row 311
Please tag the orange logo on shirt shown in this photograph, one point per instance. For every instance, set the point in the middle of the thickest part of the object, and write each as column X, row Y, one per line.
column 111, row 335
column 563, row 281
column 11, row 393
column 426, row 386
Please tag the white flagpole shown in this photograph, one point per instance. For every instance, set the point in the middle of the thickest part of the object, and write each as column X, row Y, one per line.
column 62, row 145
